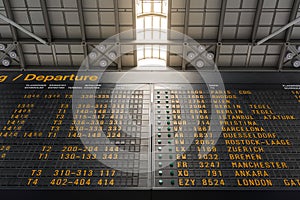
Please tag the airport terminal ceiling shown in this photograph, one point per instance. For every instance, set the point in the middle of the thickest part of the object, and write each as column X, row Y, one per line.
column 227, row 28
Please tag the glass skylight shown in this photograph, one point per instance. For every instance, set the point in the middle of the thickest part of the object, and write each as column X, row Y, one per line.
column 152, row 25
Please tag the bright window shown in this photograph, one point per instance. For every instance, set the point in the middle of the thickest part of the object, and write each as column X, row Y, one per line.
column 152, row 25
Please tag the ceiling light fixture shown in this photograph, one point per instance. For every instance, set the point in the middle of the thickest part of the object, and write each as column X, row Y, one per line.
column 101, row 48
column 201, row 48
column 103, row 63
column 2, row 47
column 289, row 55
column 200, row 63
column 93, row 55
column 6, row 62
column 210, row 55
column 13, row 54
column 112, row 55
column 296, row 63
column 191, row 55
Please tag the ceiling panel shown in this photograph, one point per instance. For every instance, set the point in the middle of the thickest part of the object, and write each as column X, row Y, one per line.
column 106, row 4
column 177, row 18
column 244, row 32
column 196, row 19
column 107, row 18
column 72, row 18
column 91, row 18
column 197, row 3
column 54, row 3
column 17, row 3
column 212, row 19
column 70, row 3
column 233, row 3
column 214, row 4
column 125, row 3
column 247, row 18
column 125, row 18
column 89, row 3
column 178, row 3
column 33, row 3
column 249, row 4
column 36, row 17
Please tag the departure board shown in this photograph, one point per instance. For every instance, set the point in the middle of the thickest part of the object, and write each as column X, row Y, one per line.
column 258, row 146
column 146, row 136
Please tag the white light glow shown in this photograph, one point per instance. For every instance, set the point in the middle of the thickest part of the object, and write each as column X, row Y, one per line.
column 152, row 63
column 151, row 14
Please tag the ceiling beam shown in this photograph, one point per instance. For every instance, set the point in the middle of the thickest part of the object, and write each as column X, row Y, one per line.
column 48, row 29
column 222, row 20
column 169, row 28
column 128, row 42
column 258, row 13
column 83, row 32
column 68, row 68
column 46, row 20
column 81, row 20
column 15, row 34
column 117, row 26
column 293, row 16
column 185, row 31
column 220, row 30
column 288, row 34
column 134, row 34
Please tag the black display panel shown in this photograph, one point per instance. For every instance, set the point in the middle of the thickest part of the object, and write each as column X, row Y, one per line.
column 147, row 136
